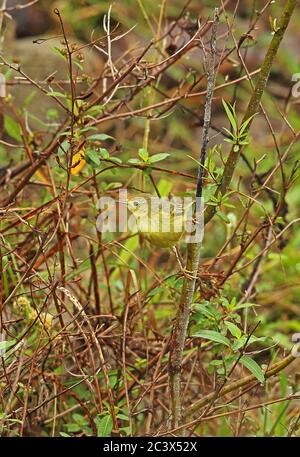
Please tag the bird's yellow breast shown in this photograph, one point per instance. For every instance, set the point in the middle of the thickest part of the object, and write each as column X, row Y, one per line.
column 161, row 230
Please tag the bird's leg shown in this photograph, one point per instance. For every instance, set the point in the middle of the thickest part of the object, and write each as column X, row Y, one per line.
column 187, row 273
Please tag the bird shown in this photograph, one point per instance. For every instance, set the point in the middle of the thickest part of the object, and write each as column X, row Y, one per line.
column 161, row 221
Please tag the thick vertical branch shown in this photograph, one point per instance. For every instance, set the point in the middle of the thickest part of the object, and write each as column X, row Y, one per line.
column 193, row 252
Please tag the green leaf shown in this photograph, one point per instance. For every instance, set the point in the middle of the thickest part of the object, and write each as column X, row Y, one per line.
column 143, row 153
column 52, row 114
column 212, row 336
column 86, row 129
column 104, row 426
column 5, row 345
column 229, row 133
column 116, row 159
column 155, row 291
column 56, row 94
column 104, row 153
column 100, row 137
column 234, row 330
column 230, row 141
column 12, row 128
column 73, row 428
column 91, row 156
column 165, row 186
column 94, row 110
column 230, row 111
column 134, row 161
column 78, row 64
column 223, row 217
column 158, row 157
column 113, row 379
column 245, row 124
column 207, row 311
column 79, row 419
column 252, row 366
column 125, row 430
column 245, row 305
column 122, row 417
column 63, row 148
column 59, row 52
column 253, row 339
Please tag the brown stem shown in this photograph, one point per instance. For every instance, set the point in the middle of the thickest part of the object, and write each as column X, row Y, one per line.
column 193, row 255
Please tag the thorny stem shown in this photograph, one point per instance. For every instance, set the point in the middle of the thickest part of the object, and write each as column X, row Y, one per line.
column 193, row 254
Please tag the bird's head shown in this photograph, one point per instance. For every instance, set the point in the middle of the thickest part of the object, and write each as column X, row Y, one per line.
column 139, row 206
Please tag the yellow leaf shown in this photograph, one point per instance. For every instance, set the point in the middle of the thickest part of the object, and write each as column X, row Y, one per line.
column 78, row 162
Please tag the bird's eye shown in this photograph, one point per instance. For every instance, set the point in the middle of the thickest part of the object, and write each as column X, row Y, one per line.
column 136, row 204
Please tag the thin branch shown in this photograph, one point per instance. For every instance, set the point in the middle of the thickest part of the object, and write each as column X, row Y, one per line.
column 182, row 317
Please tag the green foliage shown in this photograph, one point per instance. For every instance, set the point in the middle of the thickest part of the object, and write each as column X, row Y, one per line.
column 104, row 425
column 12, row 128
column 79, row 424
column 146, row 159
column 239, row 135
column 225, row 331
column 87, row 317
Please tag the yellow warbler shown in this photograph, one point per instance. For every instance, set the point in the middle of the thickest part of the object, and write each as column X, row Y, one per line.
column 160, row 221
